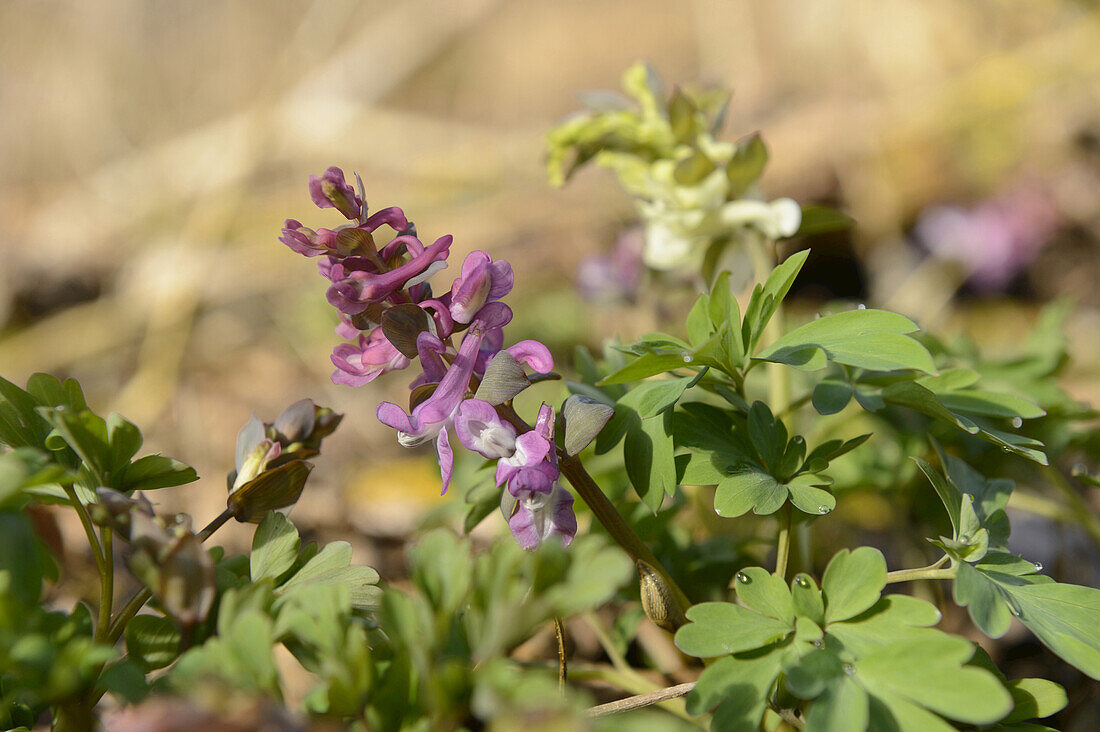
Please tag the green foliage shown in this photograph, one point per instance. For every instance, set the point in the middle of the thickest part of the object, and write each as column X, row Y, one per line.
column 848, row 656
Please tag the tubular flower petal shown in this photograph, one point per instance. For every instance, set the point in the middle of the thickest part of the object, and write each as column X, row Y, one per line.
column 332, row 191
column 374, row 356
column 533, row 354
column 481, row 429
column 538, row 516
column 357, row 284
column 482, row 281
column 435, row 413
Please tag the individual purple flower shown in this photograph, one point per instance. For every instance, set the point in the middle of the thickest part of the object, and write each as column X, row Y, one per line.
column 535, row 516
column 374, row 356
column 481, row 429
column 534, row 450
column 482, row 281
column 357, row 283
column 306, row 241
column 332, row 191
column 430, row 418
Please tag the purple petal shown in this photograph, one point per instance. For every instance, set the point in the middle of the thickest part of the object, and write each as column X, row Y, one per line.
column 563, row 521
column 533, row 354
column 446, row 458
column 522, row 525
column 481, row 430
column 394, row 416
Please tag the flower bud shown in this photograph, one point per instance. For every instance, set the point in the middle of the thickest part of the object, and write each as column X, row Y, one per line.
column 658, row 602
column 504, row 378
column 185, row 585
column 296, row 422
column 584, row 418
column 271, row 490
column 332, row 191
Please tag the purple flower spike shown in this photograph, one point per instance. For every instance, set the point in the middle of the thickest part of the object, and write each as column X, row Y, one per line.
column 538, row 516
column 354, row 289
column 332, row 191
column 481, row 429
column 430, row 418
column 374, row 356
column 482, row 281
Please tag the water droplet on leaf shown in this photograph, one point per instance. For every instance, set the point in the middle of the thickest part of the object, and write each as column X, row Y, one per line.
column 1006, row 448
column 801, row 581
column 743, row 578
column 688, row 358
column 849, row 669
column 861, row 306
column 1017, row 423
column 823, row 510
column 1038, row 566
column 818, row 644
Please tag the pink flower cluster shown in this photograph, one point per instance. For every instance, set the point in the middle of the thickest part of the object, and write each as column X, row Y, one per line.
column 388, row 307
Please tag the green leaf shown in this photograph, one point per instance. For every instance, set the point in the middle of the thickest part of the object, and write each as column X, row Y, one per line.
column 653, row 397
column 807, row 599
column 153, row 641
column 274, row 547
column 85, row 433
column 808, row 497
column 20, row 558
column 718, row 628
column 928, row 671
column 20, row 424
column 650, row 461
column 768, row 435
column 646, row 365
column 822, row 219
column 853, row 582
column 1034, row 699
column 738, row 686
column 699, row 327
column 749, row 489
column 831, row 395
column 914, row 396
column 1064, row 617
column 949, row 495
column 767, row 594
column 843, row 706
column 332, row 565
column 746, row 165
column 869, row 339
column 123, row 441
column 156, row 471
column 765, row 299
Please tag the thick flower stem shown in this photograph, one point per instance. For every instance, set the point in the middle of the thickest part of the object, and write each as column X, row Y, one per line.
column 783, row 542
column 606, row 513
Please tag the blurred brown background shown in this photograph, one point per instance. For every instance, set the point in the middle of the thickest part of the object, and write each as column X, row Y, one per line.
column 150, row 152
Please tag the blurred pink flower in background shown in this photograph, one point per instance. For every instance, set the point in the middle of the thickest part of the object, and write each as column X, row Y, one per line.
column 997, row 239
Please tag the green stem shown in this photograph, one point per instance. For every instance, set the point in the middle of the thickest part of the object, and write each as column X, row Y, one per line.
column 783, row 541
column 138, row 599
column 932, row 571
column 106, row 585
column 89, row 529
column 634, row 683
column 606, row 513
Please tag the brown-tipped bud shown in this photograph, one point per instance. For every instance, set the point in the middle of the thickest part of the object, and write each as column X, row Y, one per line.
column 658, row 602
column 402, row 324
column 504, row 378
column 185, row 585
column 271, row 490
column 296, row 422
column 584, row 418
column 147, row 533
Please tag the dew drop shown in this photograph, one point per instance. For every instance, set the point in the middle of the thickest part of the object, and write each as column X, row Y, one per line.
column 1017, row 423
column 1006, row 448
column 688, row 358
column 817, row 316
column 823, row 510
column 1038, row 566
column 798, row 439
column 801, row 581
column 849, row 669
column 818, row 644
column 861, row 306
column 744, row 578
column 1014, row 611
